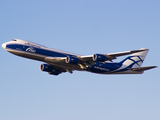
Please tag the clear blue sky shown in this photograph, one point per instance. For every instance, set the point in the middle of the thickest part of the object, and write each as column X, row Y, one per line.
column 82, row 27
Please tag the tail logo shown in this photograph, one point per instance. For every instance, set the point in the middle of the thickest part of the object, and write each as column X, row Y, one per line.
column 136, row 60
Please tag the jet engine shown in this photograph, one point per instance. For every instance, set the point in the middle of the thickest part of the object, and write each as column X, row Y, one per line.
column 46, row 67
column 99, row 57
column 72, row 60
column 49, row 69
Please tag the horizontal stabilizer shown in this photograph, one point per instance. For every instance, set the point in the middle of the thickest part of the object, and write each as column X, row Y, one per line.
column 142, row 68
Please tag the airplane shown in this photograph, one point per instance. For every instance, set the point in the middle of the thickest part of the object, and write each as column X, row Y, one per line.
column 57, row 62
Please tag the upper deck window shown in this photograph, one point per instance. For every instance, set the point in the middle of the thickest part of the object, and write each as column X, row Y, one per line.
column 14, row 40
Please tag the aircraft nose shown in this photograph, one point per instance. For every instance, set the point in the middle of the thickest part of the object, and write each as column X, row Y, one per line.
column 4, row 45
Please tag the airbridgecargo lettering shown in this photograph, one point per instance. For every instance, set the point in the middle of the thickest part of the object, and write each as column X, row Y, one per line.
column 101, row 68
column 57, row 62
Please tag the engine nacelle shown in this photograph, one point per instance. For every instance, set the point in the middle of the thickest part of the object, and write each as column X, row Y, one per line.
column 54, row 72
column 72, row 60
column 99, row 57
column 46, row 67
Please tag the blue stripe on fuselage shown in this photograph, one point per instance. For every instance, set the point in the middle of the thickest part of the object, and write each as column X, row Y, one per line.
column 100, row 67
column 36, row 50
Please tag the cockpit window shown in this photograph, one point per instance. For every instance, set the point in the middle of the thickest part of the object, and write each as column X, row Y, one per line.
column 14, row 40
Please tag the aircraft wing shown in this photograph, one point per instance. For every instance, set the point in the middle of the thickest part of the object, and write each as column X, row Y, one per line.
column 83, row 61
column 89, row 58
column 111, row 56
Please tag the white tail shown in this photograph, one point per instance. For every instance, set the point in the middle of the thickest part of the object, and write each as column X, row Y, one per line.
column 136, row 59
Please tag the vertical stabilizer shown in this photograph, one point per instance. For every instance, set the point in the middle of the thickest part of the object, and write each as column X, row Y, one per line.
column 136, row 59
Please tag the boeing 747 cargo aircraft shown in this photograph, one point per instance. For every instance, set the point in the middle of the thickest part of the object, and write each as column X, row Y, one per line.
column 57, row 62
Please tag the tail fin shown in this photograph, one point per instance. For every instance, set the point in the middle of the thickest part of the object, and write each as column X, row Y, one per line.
column 136, row 59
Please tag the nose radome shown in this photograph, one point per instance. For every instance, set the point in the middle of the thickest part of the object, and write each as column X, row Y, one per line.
column 4, row 45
